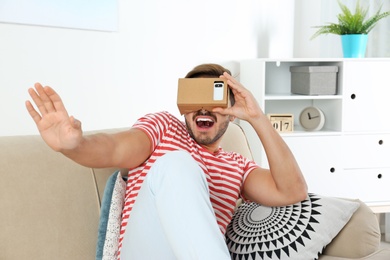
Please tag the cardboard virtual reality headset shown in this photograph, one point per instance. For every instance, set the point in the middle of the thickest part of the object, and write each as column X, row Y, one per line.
column 194, row 94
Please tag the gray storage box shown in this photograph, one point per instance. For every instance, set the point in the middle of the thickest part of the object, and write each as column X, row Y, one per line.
column 314, row 80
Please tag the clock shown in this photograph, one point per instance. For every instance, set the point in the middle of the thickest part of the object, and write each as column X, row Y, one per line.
column 312, row 119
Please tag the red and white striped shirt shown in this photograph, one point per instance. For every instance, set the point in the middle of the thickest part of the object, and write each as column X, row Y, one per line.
column 225, row 171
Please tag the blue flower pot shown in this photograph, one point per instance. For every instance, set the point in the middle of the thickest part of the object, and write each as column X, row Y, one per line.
column 354, row 45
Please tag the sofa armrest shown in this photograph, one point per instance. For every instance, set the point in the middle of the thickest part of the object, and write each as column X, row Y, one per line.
column 359, row 238
column 377, row 255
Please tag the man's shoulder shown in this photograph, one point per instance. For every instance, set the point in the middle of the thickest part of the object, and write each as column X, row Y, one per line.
column 164, row 114
column 164, row 118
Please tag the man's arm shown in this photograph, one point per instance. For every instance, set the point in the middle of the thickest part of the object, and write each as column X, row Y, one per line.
column 126, row 149
column 63, row 134
column 281, row 184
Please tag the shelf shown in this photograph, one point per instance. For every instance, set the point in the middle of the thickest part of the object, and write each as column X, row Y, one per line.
column 354, row 118
column 299, row 131
column 299, row 97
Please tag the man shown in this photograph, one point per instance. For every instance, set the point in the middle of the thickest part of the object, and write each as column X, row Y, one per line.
column 182, row 187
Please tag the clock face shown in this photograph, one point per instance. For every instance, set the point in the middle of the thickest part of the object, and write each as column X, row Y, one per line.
column 312, row 119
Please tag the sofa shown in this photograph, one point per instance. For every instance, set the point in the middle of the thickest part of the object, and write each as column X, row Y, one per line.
column 50, row 206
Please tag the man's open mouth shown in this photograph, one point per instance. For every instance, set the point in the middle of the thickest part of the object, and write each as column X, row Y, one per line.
column 204, row 122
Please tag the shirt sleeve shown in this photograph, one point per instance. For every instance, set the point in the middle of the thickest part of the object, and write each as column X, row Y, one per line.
column 249, row 167
column 154, row 125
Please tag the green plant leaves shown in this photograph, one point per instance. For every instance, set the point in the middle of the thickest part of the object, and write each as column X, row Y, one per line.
column 351, row 23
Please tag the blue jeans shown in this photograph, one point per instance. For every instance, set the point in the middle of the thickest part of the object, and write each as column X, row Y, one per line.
column 172, row 217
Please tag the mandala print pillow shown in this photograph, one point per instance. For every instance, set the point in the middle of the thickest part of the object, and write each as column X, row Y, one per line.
column 299, row 231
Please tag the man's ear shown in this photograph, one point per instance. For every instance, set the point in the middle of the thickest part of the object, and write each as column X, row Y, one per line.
column 232, row 118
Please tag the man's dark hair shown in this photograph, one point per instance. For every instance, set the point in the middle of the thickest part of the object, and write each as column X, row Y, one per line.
column 210, row 70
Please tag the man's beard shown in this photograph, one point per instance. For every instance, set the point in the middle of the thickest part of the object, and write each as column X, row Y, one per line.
column 207, row 140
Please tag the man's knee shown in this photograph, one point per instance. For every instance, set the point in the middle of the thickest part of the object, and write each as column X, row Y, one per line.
column 175, row 169
column 176, row 162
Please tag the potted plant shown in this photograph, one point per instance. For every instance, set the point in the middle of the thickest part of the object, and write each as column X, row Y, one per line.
column 353, row 28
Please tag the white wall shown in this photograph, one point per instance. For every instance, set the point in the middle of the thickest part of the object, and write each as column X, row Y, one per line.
column 110, row 79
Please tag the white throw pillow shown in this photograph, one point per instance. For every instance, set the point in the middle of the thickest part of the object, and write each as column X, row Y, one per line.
column 299, row 231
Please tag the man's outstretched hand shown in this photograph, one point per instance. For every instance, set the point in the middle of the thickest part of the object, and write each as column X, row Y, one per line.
column 59, row 130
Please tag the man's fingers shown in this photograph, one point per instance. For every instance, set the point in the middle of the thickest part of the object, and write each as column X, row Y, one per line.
column 55, row 99
column 222, row 111
column 45, row 99
column 75, row 123
column 234, row 85
column 37, row 100
column 33, row 113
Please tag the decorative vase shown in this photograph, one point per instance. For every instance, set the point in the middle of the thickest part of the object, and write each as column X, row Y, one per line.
column 354, row 45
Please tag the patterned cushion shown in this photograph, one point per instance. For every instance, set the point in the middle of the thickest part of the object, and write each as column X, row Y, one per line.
column 110, row 217
column 298, row 231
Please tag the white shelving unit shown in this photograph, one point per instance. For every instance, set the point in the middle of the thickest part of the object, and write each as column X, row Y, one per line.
column 350, row 156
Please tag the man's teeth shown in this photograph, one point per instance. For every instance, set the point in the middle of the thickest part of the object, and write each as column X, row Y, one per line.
column 204, row 120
